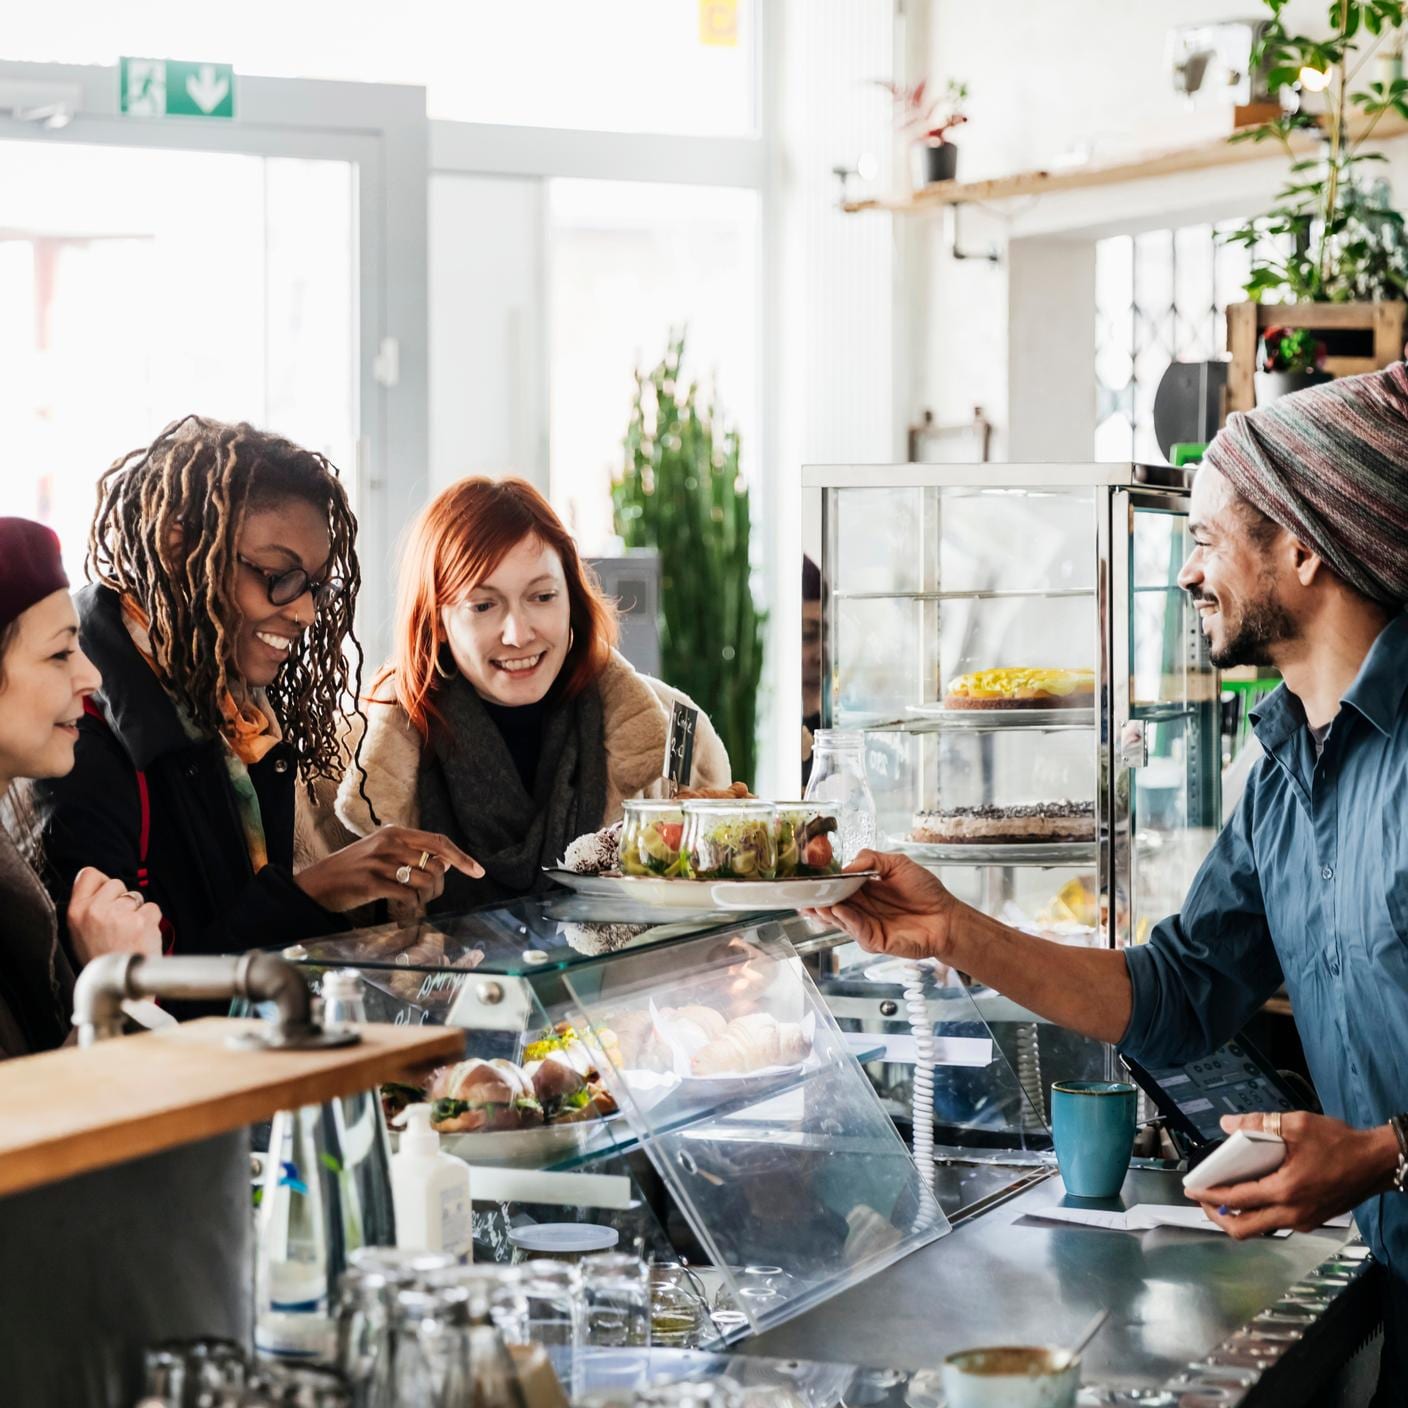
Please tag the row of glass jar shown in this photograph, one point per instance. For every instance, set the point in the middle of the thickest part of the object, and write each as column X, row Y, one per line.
column 729, row 839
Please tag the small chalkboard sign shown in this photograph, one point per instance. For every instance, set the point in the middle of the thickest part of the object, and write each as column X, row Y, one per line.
column 679, row 747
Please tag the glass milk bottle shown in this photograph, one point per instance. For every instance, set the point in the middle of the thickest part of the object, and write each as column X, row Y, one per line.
column 838, row 777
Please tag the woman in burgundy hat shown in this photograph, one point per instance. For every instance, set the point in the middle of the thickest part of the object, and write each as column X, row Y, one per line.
column 44, row 679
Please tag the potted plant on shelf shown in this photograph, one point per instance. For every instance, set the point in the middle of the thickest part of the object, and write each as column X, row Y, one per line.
column 925, row 121
column 1289, row 359
column 1333, row 236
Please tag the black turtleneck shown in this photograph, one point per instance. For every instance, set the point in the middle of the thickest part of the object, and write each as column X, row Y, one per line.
column 521, row 727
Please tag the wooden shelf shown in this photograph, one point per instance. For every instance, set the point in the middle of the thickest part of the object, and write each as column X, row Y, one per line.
column 70, row 1111
column 1176, row 161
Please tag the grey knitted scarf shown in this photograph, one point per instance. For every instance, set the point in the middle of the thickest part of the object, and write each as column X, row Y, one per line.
column 470, row 790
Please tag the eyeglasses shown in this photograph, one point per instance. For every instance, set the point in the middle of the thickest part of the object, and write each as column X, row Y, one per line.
column 286, row 587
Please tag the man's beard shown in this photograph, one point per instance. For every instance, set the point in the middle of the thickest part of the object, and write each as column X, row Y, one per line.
column 1264, row 624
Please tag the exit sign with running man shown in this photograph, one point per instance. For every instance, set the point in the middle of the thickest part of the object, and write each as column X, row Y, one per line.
column 175, row 88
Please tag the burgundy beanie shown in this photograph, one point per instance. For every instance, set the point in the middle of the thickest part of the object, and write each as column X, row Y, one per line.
column 31, row 567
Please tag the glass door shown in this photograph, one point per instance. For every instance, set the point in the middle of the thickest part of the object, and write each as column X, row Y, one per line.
column 143, row 284
column 1171, row 743
column 269, row 266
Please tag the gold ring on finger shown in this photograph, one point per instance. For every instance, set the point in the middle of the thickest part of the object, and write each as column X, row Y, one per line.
column 423, row 861
column 1271, row 1123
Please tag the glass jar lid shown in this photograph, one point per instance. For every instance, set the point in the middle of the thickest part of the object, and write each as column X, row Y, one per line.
column 564, row 1238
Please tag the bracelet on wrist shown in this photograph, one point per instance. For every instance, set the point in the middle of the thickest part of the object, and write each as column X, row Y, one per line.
column 1399, row 1125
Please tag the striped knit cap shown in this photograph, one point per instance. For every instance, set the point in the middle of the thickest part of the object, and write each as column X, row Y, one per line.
column 1330, row 465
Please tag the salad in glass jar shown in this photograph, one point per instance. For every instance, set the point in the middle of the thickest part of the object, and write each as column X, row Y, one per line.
column 652, row 834
column 730, row 840
column 807, row 840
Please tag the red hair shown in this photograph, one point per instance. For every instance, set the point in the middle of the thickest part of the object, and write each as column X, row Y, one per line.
column 461, row 537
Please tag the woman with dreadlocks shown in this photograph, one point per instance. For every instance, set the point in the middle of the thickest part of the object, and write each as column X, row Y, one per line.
column 224, row 578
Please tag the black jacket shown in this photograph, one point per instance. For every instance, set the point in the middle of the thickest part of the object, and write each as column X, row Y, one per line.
column 197, row 860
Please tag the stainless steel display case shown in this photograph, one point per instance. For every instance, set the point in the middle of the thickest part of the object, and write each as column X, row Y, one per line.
column 931, row 572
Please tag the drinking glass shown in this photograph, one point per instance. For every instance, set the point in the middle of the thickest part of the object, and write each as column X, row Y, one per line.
column 551, row 1292
column 615, row 1300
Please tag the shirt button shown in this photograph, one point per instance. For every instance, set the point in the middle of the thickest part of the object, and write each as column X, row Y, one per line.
column 1327, row 872
column 281, row 766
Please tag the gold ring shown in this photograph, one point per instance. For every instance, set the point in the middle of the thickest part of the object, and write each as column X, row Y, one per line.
column 423, row 861
column 1271, row 1123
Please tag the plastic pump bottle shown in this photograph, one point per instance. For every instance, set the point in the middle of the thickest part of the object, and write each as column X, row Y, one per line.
column 431, row 1191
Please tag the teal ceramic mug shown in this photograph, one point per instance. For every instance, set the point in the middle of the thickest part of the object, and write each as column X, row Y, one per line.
column 1092, row 1124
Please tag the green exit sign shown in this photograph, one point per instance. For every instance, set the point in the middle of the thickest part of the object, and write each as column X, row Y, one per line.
column 175, row 88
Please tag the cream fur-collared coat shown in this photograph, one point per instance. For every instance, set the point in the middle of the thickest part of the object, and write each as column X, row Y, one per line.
column 635, row 711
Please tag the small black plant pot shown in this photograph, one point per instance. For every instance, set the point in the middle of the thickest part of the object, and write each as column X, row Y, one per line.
column 940, row 162
column 1271, row 386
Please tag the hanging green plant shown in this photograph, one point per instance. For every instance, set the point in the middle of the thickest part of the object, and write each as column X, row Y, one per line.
column 681, row 493
column 1333, row 235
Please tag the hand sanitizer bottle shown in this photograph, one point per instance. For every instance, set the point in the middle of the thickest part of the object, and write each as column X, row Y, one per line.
column 431, row 1191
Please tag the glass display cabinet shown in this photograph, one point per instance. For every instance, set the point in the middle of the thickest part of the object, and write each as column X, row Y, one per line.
column 1040, row 713
column 742, row 1129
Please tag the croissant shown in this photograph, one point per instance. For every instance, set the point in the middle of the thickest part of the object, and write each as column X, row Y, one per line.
column 793, row 1040
column 730, row 1054
column 760, row 1028
column 710, row 1019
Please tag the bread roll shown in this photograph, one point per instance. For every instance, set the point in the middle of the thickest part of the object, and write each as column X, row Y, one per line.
column 554, row 1077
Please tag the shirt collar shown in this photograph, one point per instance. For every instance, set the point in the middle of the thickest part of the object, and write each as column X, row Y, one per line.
column 1377, row 691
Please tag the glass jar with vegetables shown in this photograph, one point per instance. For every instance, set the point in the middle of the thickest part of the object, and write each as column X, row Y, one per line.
column 807, row 840
column 651, row 839
column 730, row 840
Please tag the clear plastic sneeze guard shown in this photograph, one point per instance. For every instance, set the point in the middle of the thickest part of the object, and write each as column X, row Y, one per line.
column 743, row 1092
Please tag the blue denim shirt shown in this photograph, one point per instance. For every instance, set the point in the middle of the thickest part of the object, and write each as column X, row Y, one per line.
column 1309, row 881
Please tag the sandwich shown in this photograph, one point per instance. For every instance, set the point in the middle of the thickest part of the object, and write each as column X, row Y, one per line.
column 482, row 1097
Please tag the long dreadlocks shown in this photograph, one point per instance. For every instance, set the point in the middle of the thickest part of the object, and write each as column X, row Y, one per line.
column 165, row 534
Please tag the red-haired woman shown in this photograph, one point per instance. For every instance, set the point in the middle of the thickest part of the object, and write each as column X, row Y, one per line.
column 505, row 718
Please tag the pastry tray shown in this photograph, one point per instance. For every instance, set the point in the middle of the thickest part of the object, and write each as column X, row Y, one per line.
column 988, row 720
column 1037, row 853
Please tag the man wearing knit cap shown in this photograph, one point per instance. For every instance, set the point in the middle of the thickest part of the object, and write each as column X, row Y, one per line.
column 1300, row 525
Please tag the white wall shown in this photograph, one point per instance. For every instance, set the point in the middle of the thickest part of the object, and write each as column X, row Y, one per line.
column 488, row 359
column 1047, row 79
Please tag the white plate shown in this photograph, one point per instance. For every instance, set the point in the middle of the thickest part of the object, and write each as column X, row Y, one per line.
column 529, row 1148
column 704, row 896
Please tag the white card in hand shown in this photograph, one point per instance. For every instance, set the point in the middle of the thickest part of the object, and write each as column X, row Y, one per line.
column 1246, row 1155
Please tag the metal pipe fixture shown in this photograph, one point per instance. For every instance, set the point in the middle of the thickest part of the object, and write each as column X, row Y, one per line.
column 107, row 982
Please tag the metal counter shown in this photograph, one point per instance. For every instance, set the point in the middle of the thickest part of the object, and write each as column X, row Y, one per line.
column 1175, row 1296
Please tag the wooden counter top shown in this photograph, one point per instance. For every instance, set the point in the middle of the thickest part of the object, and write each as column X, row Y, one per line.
column 68, row 1111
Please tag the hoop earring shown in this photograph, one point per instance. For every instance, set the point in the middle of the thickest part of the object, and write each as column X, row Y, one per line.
column 441, row 671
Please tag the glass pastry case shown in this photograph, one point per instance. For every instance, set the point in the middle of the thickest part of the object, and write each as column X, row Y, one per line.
column 679, row 1082
column 1039, row 711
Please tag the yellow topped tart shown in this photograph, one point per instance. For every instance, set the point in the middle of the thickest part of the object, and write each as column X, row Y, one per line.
column 1021, row 687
